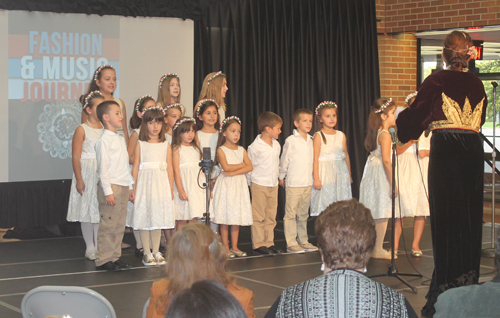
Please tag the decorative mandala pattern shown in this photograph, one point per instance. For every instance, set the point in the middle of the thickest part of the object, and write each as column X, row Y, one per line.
column 58, row 123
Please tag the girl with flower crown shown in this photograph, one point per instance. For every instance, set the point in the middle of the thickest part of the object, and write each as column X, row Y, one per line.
column 412, row 162
column 154, row 177
column 135, row 124
column 189, row 198
column 214, row 87
column 83, row 205
column 172, row 113
column 104, row 80
column 331, row 164
column 169, row 90
column 232, row 207
column 375, row 190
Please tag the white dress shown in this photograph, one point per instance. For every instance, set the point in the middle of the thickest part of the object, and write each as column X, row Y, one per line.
column 375, row 190
column 231, row 204
column 153, row 206
column 130, row 204
column 168, row 138
column 195, row 206
column 410, row 181
column 333, row 174
column 85, row 208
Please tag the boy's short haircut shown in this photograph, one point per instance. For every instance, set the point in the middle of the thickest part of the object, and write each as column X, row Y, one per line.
column 268, row 119
column 299, row 112
column 104, row 108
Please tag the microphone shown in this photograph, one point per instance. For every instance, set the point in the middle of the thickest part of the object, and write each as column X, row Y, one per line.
column 494, row 83
column 392, row 131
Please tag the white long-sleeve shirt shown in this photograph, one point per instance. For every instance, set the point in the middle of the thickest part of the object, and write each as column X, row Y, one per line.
column 112, row 161
column 266, row 161
column 296, row 164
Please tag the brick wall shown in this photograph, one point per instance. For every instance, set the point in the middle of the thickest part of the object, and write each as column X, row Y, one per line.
column 397, row 43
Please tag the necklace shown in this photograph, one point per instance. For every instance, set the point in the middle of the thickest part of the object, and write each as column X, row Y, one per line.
column 94, row 129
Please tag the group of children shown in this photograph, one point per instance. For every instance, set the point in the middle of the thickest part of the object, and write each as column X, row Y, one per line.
column 163, row 192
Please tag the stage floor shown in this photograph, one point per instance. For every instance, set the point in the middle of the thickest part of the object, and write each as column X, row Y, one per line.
column 25, row 265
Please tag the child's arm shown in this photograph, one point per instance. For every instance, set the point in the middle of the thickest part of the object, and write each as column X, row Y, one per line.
column 246, row 169
column 226, row 166
column 137, row 162
column 124, row 127
column 402, row 149
column 102, row 156
column 177, row 174
column 317, row 149
column 385, row 142
column 347, row 160
column 424, row 153
column 170, row 169
column 78, row 138
column 252, row 156
column 284, row 162
column 132, row 142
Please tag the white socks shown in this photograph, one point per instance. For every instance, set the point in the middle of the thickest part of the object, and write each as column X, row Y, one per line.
column 89, row 233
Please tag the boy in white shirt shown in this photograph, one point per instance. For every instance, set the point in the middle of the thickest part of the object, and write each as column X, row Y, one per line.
column 296, row 173
column 264, row 153
column 115, row 188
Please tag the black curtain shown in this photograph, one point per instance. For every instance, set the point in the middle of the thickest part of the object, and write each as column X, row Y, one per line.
column 281, row 55
column 185, row 9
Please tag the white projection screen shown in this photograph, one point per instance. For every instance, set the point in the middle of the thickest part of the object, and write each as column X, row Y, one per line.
column 46, row 63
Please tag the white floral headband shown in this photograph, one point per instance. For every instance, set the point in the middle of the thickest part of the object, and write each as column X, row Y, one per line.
column 225, row 121
column 100, row 68
column 89, row 97
column 410, row 97
column 203, row 102
column 169, row 107
column 323, row 104
column 213, row 76
column 384, row 106
column 155, row 107
column 140, row 100
column 182, row 121
column 164, row 77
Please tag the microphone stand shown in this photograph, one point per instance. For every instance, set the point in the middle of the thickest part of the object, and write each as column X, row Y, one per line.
column 490, row 251
column 207, row 165
column 392, row 269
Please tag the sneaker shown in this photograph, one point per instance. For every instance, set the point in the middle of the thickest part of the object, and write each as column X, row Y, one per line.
column 295, row 249
column 309, row 247
column 109, row 266
column 149, row 260
column 263, row 251
column 160, row 260
column 275, row 250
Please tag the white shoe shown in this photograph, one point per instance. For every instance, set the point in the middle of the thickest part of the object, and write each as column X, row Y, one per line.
column 295, row 249
column 309, row 247
column 149, row 260
column 381, row 254
column 160, row 260
column 90, row 256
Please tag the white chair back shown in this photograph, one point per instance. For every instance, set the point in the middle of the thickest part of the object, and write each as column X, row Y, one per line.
column 74, row 301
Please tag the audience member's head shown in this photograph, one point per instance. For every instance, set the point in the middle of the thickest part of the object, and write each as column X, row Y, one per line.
column 206, row 298
column 195, row 253
column 346, row 235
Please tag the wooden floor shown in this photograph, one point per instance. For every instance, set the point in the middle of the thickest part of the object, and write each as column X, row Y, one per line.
column 59, row 261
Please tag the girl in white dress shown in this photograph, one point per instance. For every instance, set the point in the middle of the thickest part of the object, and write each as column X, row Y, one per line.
column 331, row 164
column 214, row 87
column 207, row 125
column 412, row 185
column 232, row 206
column 83, row 205
column 189, row 198
column 135, row 124
column 104, row 80
column 169, row 90
column 153, row 172
column 172, row 113
column 375, row 190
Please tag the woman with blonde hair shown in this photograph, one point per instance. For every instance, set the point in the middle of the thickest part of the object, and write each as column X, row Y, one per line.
column 214, row 87
column 195, row 253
